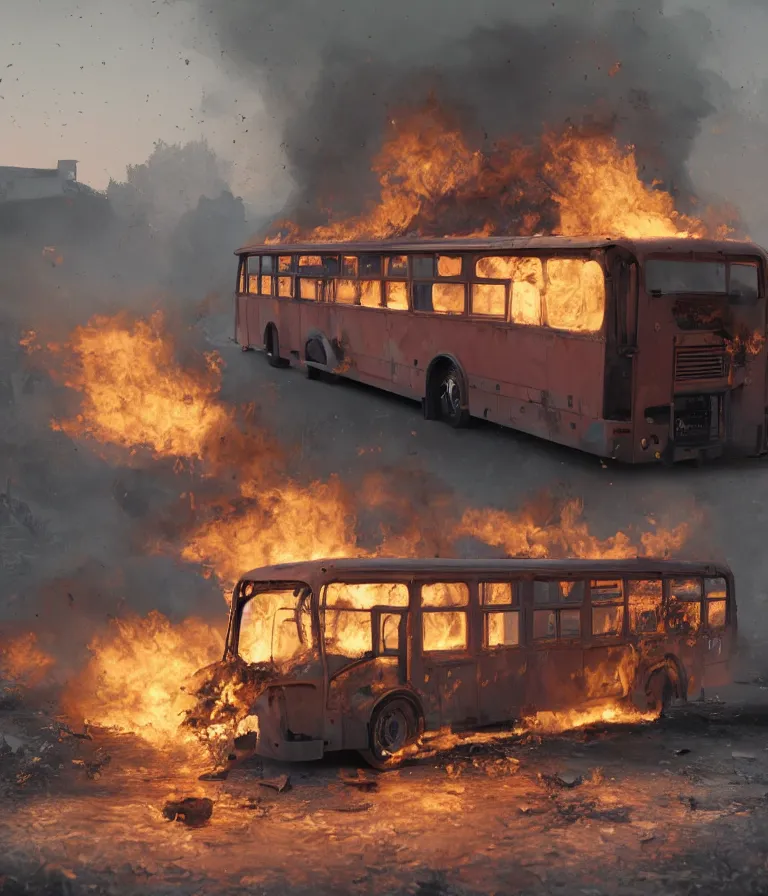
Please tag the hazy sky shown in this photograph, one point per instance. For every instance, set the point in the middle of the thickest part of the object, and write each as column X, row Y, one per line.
column 101, row 80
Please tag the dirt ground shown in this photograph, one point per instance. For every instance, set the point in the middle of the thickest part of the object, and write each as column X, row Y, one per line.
column 678, row 806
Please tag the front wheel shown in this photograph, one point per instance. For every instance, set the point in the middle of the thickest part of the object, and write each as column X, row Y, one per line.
column 659, row 691
column 395, row 727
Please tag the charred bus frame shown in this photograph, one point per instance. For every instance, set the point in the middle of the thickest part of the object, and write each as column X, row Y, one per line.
column 502, row 638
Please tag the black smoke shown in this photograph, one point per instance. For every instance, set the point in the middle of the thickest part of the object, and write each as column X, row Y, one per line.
column 335, row 73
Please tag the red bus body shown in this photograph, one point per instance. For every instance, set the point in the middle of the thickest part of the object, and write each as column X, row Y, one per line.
column 670, row 374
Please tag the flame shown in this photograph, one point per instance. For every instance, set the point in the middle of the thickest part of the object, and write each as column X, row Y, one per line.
column 135, row 395
column 610, row 712
column 133, row 681
column 432, row 182
column 22, row 661
column 539, row 531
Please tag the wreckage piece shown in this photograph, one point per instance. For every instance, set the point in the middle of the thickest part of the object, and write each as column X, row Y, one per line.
column 192, row 811
column 371, row 654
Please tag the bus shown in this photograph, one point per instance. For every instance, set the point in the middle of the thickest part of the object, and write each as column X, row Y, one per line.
column 367, row 655
column 638, row 350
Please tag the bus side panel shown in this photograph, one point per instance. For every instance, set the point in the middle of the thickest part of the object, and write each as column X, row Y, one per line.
column 362, row 334
column 241, row 320
column 253, row 321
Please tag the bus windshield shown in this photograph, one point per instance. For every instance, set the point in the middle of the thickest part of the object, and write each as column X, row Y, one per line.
column 276, row 625
column 667, row 276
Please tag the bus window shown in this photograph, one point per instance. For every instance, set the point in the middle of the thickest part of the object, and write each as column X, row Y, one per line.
column 448, row 298
column 253, row 274
column 396, row 266
column 607, row 599
column 309, row 288
column 575, row 295
column 743, row 282
column 346, row 292
column 285, row 264
column 370, row 293
column 684, row 613
column 497, row 594
column 276, row 625
column 423, row 267
column 347, row 618
column 448, row 266
column 527, row 278
column 527, row 288
column 645, row 596
column 489, row 299
column 241, row 277
column 396, row 294
column 285, row 287
column 557, row 623
column 349, row 266
column 266, row 275
column 558, row 592
column 502, row 626
column 717, row 602
column 389, row 633
column 310, row 264
column 331, row 265
column 443, row 628
column 370, row 266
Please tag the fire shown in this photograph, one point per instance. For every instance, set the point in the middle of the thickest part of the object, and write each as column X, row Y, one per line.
column 22, row 661
column 539, row 531
column 432, row 182
column 279, row 525
column 609, row 712
column 133, row 681
column 134, row 394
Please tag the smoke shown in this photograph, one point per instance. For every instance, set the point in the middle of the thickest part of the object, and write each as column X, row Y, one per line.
column 334, row 74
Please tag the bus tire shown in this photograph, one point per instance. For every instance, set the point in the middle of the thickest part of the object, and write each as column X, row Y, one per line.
column 272, row 347
column 659, row 691
column 395, row 724
column 448, row 395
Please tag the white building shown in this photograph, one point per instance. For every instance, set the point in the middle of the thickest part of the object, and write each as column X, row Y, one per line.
column 17, row 184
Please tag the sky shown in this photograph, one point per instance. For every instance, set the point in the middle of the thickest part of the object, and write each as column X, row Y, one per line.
column 101, row 80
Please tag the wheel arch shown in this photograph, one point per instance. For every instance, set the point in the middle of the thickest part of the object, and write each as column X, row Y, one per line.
column 675, row 669
column 440, row 360
column 331, row 355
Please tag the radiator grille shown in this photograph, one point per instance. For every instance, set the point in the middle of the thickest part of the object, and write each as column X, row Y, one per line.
column 700, row 362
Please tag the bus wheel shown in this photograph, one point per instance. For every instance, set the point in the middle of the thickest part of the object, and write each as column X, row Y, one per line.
column 449, row 396
column 272, row 347
column 395, row 725
column 659, row 691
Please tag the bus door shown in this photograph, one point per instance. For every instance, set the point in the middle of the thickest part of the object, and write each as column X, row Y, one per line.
column 502, row 661
column 444, row 670
column 608, row 671
column 555, row 675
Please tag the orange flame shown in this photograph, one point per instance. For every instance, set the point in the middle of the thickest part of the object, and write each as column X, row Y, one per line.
column 433, row 183
column 22, row 661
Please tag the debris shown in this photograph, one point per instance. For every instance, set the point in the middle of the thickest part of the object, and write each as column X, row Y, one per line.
column 192, row 811
column 360, row 781
column 220, row 775
column 351, row 807
column 749, row 757
column 84, row 735
column 279, row 784
column 682, row 752
column 12, row 743
column 561, row 779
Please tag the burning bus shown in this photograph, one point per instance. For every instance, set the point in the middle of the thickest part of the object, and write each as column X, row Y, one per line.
column 369, row 654
column 640, row 350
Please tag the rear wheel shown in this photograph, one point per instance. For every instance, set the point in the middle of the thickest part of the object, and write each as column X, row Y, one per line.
column 449, row 397
column 394, row 726
column 272, row 348
column 659, row 692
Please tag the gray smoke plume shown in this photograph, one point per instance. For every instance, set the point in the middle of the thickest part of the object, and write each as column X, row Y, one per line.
column 334, row 73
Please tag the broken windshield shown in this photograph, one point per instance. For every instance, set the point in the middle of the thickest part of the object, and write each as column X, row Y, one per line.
column 276, row 625
column 738, row 280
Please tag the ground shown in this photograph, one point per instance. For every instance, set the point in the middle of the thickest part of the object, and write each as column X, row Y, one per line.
column 674, row 807
column 679, row 806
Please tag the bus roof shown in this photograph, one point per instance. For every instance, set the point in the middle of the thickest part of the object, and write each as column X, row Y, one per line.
column 509, row 244
column 328, row 569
